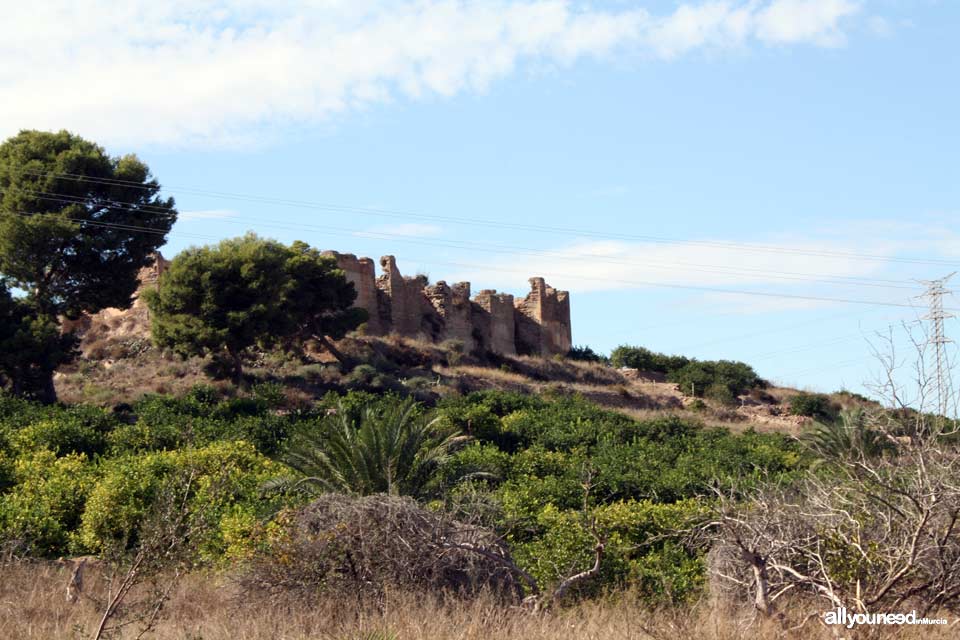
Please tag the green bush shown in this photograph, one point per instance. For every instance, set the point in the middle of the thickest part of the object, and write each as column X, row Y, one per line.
column 723, row 378
column 646, row 360
column 664, row 571
column 80, row 429
column 586, row 354
column 224, row 475
column 42, row 510
column 812, row 405
column 721, row 393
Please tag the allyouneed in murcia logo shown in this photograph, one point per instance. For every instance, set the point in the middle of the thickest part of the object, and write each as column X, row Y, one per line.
column 849, row 620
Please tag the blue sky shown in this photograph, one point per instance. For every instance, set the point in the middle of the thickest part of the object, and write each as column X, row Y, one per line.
column 797, row 149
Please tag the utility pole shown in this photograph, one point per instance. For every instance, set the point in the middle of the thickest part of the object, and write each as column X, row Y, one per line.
column 936, row 289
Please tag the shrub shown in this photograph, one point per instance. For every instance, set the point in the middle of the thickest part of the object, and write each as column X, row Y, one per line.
column 662, row 570
column 273, row 394
column 81, row 429
column 361, row 547
column 586, row 354
column 721, row 393
column 478, row 461
column 853, row 395
column 224, row 474
column 812, row 405
column 40, row 513
column 696, row 377
column 645, row 359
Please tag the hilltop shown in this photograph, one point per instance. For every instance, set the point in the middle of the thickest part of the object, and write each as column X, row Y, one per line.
column 119, row 364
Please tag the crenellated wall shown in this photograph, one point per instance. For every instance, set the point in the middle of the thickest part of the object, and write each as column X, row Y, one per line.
column 361, row 272
column 543, row 320
column 497, row 325
column 538, row 324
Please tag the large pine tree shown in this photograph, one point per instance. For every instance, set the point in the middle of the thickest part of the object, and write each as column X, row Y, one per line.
column 76, row 226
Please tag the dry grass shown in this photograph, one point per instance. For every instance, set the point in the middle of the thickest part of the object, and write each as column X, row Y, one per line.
column 123, row 369
column 206, row 606
column 108, row 382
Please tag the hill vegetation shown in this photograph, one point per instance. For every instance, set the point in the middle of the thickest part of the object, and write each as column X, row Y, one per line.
column 255, row 436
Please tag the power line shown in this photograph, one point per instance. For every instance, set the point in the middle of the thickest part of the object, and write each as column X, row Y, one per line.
column 819, row 344
column 639, row 283
column 513, row 250
column 766, row 331
column 499, row 225
column 698, row 288
column 831, row 367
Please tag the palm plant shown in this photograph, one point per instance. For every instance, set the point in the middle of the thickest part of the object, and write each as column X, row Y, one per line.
column 849, row 437
column 390, row 448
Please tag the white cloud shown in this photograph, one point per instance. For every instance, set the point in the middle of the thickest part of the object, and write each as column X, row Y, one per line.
column 406, row 230
column 793, row 21
column 880, row 26
column 200, row 72
column 605, row 265
column 714, row 273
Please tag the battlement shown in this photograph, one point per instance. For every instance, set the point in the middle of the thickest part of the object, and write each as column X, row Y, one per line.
column 538, row 324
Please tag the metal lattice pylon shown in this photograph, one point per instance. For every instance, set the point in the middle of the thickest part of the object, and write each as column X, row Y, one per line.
column 936, row 289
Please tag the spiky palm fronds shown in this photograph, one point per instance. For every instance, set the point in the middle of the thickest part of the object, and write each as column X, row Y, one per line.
column 851, row 436
column 393, row 450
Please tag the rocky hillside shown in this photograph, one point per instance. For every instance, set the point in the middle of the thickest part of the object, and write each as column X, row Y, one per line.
column 119, row 364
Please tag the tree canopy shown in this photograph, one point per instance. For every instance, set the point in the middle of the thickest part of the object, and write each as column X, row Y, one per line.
column 76, row 227
column 248, row 291
column 31, row 346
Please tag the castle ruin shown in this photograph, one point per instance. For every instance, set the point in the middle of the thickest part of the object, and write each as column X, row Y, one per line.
column 538, row 324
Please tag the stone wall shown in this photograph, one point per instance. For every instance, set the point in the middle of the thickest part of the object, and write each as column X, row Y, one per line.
column 499, row 329
column 543, row 320
column 538, row 324
column 362, row 274
column 453, row 306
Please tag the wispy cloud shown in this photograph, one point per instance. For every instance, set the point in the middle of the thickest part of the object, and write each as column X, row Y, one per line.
column 192, row 72
column 608, row 265
column 789, row 273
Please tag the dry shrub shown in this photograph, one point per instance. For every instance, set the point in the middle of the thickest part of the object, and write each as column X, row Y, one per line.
column 204, row 605
column 360, row 547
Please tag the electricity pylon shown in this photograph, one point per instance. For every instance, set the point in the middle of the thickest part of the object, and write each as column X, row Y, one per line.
column 936, row 289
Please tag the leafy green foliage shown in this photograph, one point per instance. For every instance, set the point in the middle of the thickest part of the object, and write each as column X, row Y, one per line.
column 80, row 429
column 31, row 347
column 248, row 291
column 585, row 354
column 723, row 380
column 646, row 478
column 70, row 237
column 223, row 299
column 42, row 514
column 850, row 437
column 322, row 297
column 223, row 476
column 66, row 215
column 392, row 449
column 645, row 359
column 812, row 405
column 67, row 239
column 78, row 479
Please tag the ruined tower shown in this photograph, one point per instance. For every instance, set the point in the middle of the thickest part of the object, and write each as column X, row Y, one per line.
column 539, row 324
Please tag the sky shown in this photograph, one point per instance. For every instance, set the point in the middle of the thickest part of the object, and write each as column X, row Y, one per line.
column 758, row 180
